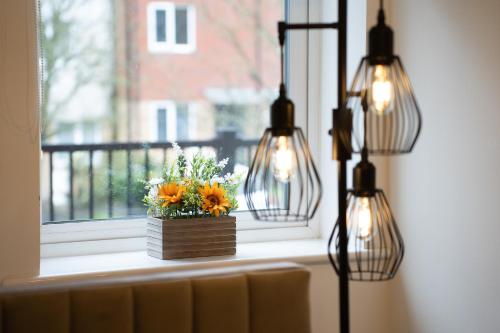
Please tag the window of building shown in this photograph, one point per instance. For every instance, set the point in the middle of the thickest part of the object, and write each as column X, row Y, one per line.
column 161, row 121
column 161, row 25
column 165, row 122
column 183, row 121
column 181, row 25
column 171, row 27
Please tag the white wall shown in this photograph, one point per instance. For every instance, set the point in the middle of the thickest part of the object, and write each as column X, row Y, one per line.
column 446, row 193
column 369, row 303
column 19, row 141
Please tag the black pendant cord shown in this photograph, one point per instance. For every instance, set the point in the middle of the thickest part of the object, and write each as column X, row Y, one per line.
column 282, row 53
column 281, row 37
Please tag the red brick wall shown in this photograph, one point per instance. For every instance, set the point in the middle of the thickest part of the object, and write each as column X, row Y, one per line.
column 225, row 53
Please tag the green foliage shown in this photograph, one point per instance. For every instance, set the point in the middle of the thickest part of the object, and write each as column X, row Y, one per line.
column 187, row 177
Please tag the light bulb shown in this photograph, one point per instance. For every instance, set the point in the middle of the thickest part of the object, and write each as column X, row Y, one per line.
column 283, row 159
column 382, row 90
column 360, row 218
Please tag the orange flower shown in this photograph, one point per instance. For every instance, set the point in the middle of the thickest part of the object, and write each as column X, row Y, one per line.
column 214, row 199
column 171, row 193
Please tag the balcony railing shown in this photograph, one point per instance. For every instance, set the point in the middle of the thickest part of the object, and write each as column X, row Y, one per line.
column 101, row 162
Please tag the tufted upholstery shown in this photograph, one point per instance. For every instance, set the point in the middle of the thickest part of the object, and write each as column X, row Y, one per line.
column 248, row 299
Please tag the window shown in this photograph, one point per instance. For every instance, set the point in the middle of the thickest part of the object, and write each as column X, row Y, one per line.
column 181, row 25
column 183, row 121
column 165, row 121
column 162, row 124
column 101, row 77
column 110, row 108
column 172, row 122
column 171, row 28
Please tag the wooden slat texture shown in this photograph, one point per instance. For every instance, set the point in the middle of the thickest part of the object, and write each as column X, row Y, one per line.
column 190, row 238
column 187, row 238
column 191, row 233
column 200, row 221
column 165, row 244
column 192, row 254
column 201, row 247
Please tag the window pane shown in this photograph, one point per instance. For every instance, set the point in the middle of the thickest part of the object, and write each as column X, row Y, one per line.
column 162, row 124
column 181, row 28
column 109, row 105
column 182, row 122
column 161, row 25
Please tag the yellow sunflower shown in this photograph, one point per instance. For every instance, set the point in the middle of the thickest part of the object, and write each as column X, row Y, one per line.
column 214, row 199
column 171, row 193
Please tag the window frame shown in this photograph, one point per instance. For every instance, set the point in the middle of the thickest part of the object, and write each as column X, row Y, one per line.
column 170, row 45
column 170, row 118
column 120, row 235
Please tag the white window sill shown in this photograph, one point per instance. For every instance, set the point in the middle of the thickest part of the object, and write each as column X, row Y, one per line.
column 308, row 251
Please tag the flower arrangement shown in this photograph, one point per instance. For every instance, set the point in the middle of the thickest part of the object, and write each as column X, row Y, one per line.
column 194, row 188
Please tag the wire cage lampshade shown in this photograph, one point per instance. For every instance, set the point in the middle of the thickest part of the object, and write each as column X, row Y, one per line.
column 283, row 184
column 382, row 86
column 374, row 240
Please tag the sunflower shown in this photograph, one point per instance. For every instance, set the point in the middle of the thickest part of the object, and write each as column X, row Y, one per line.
column 214, row 199
column 171, row 193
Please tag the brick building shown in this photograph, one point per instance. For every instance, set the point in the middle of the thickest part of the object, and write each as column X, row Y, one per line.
column 187, row 68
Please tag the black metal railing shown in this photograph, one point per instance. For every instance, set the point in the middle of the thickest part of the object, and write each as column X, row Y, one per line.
column 227, row 143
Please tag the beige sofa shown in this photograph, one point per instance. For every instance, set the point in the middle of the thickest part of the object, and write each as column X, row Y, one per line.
column 269, row 298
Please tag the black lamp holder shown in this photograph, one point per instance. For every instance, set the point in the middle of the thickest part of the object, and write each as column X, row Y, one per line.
column 364, row 175
column 283, row 109
column 381, row 42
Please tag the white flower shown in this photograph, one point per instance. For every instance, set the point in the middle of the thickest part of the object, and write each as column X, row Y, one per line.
column 222, row 163
column 156, row 181
column 178, row 151
column 237, row 177
column 219, row 180
column 153, row 192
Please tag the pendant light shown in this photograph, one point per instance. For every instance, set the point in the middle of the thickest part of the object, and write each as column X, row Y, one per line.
column 283, row 184
column 394, row 118
column 373, row 238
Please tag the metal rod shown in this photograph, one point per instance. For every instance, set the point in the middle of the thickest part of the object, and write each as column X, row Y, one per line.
column 129, row 182
column 71, row 202
column 51, row 186
column 342, row 53
column 309, row 26
column 342, row 179
column 91, row 184
column 343, row 255
column 146, row 163
column 110, row 183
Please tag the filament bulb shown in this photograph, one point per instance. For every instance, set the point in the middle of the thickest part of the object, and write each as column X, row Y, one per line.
column 382, row 90
column 361, row 219
column 283, row 159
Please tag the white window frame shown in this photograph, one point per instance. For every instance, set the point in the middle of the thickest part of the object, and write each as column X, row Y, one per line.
column 170, row 45
column 171, row 118
column 129, row 234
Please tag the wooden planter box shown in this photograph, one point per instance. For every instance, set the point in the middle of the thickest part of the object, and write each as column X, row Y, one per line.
column 191, row 238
